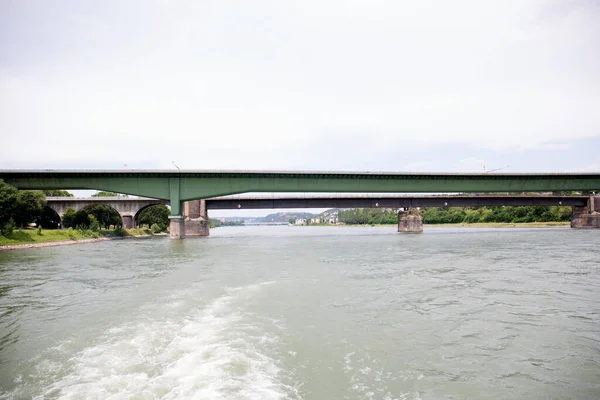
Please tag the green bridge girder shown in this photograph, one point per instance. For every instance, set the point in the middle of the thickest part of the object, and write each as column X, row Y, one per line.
column 180, row 186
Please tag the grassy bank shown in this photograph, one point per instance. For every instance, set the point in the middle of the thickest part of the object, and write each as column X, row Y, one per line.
column 30, row 236
column 506, row 224
column 471, row 225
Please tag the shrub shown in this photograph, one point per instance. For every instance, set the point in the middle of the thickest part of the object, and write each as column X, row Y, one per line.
column 71, row 233
column 120, row 231
column 156, row 228
column 39, row 230
column 8, row 228
column 94, row 224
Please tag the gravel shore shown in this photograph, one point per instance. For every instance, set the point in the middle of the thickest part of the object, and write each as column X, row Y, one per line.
column 50, row 244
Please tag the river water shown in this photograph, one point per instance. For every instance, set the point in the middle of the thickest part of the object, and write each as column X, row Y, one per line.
column 306, row 313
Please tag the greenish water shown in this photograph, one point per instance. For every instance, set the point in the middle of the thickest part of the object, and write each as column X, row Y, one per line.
column 306, row 313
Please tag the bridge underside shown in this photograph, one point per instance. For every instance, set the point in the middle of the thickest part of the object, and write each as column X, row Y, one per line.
column 394, row 202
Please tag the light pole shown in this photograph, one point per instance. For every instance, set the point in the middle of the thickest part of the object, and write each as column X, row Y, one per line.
column 493, row 170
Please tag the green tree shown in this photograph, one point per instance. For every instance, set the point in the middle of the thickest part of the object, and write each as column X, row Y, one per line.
column 8, row 199
column 157, row 214
column 156, row 228
column 292, row 220
column 216, row 223
column 104, row 214
column 68, row 218
column 57, row 193
column 81, row 219
column 29, row 206
column 358, row 216
column 108, row 194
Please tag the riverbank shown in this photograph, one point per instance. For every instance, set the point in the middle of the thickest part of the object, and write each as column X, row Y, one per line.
column 505, row 225
column 28, row 238
column 471, row 225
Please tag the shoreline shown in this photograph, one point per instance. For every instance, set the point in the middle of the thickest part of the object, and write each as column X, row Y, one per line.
column 504, row 225
column 68, row 242
column 469, row 225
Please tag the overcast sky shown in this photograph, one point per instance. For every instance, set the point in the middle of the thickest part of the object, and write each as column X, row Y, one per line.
column 343, row 85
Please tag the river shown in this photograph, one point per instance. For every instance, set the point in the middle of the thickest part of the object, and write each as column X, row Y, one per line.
column 306, row 313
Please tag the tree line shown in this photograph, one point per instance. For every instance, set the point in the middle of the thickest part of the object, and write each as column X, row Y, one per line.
column 215, row 223
column 101, row 216
column 20, row 207
column 455, row 215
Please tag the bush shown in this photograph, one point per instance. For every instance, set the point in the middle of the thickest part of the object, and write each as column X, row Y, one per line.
column 8, row 228
column 94, row 224
column 39, row 230
column 71, row 233
column 120, row 231
column 156, row 228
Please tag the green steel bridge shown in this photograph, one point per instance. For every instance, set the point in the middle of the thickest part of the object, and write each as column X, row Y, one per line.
column 180, row 186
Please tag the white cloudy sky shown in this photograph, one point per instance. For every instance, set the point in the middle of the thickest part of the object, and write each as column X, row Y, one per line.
column 345, row 85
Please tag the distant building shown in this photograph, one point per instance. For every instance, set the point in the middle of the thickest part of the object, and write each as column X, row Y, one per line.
column 332, row 219
column 300, row 221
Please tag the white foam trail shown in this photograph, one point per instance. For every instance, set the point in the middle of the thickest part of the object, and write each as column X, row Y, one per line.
column 217, row 352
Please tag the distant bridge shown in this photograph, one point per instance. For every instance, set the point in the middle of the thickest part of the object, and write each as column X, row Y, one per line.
column 129, row 208
column 228, row 203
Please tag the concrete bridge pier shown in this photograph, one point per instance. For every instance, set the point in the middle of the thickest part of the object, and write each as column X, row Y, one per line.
column 176, row 227
column 410, row 221
column 196, row 218
column 128, row 221
column 587, row 217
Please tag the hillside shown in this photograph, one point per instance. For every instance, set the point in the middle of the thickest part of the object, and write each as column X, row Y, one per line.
column 284, row 216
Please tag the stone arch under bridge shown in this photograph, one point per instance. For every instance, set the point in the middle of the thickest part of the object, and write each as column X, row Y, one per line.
column 127, row 207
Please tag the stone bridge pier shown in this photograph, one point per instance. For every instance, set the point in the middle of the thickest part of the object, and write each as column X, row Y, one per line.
column 587, row 217
column 128, row 221
column 196, row 218
column 410, row 221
